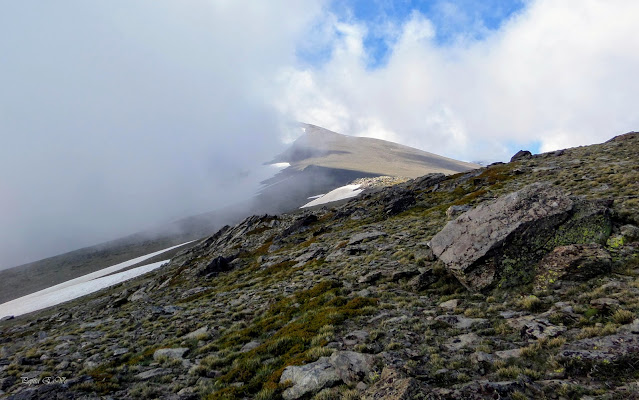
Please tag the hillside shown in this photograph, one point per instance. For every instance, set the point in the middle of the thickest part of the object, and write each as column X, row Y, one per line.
column 321, row 160
column 514, row 281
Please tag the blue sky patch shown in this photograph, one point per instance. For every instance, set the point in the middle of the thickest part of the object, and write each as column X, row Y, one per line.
column 452, row 19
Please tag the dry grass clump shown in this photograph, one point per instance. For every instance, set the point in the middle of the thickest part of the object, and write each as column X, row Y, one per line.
column 623, row 317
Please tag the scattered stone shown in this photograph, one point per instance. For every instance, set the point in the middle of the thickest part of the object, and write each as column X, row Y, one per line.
column 601, row 355
column 393, row 385
column 138, row 295
column 355, row 337
column 604, row 304
column 198, row 333
column 459, row 321
column 371, row 277
column 449, row 305
column 630, row 233
column 365, row 236
column 429, row 180
column 92, row 335
column 400, row 203
column 343, row 366
column 6, row 383
column 120, row 351
column 146, row 375
column 249, row 346
column 459, row 342
column 174, row 354
column 405, row 274
column 423, row 280
column 217, row 265
column 540, row 328
column 506, row 354
column 194, row 291
column 510, row 314
column 482, row 358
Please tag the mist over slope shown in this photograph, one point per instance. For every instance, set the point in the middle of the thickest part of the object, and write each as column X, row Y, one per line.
column 320, row 160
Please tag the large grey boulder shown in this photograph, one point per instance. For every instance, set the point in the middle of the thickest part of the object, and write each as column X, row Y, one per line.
column 500, row 242
column 343, row 366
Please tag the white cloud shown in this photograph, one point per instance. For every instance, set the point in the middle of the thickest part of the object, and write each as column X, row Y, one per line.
column 116, row 116
column 558, row 73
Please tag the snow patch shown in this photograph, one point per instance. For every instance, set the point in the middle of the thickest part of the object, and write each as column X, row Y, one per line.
column 81, row 286
column 280, row 165
column 341, row 193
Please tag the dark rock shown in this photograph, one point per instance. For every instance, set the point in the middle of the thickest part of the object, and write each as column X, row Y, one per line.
column 424, row 253
column 121, row 300
column 355, row 337
column 576, row 262
column 146, row 375
column 502, row 241
column 300, row 225
column 6, row 383
column 602, row 356
column 429, row 180
column 459, row 321
column 371, row 277
column 365, row 236
column 194, row 291
column 521, row 155
column 400, row 203
column 535, row 328
column 604, row 304
column 630, row 233
column 405, row 274
column 217, row 265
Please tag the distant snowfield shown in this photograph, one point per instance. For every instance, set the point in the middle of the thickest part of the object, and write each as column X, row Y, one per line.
column 81, row 286
column 341, row 193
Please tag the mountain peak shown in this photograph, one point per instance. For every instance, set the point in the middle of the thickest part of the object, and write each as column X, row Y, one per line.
column 321, row 147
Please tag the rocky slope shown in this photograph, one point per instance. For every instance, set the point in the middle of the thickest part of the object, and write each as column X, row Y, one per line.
column 513, row 281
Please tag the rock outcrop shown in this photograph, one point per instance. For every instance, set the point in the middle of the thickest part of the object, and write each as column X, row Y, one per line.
column 499, row 242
